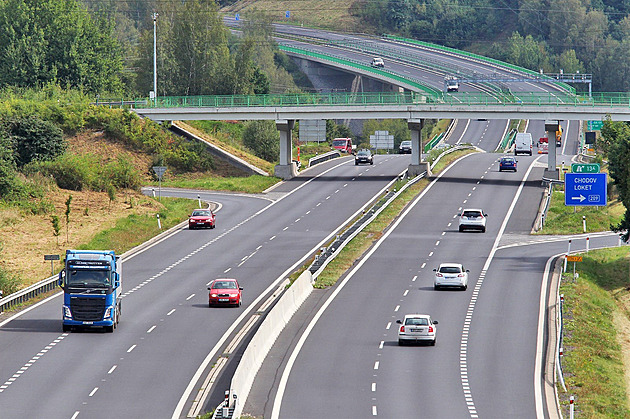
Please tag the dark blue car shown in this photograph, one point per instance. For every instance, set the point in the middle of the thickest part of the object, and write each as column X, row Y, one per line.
column 507, row 163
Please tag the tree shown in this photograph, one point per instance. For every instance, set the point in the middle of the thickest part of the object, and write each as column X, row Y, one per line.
column 263, row 139
column 35, row 139
column 8, row 174
column 56, row 227
column 44, row 41
column 67, row 213
column 617, row 135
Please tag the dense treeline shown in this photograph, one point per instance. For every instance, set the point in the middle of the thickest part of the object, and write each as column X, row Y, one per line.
column 571, row 35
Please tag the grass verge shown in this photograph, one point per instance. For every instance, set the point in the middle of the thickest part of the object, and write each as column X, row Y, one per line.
column 134, row 229
column 566, row 220
column 596, row 310
column 250, row 184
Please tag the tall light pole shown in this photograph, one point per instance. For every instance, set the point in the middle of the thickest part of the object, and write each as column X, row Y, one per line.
column 155, row 16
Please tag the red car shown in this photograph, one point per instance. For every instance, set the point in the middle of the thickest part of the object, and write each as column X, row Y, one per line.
column 224, row 292
column 201, row 218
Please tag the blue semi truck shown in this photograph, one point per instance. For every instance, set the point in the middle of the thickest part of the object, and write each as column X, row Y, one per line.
column 91, row 281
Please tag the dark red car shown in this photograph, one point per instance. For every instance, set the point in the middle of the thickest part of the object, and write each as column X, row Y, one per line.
column 201, row 218
column 224, row 292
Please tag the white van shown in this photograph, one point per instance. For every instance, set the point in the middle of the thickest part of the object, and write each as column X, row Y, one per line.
column 523, row 143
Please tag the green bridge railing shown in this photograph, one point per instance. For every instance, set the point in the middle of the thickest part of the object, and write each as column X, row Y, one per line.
column 616, row 100
column 436, row 139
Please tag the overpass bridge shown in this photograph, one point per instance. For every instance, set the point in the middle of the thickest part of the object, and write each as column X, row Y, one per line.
column 414, row 107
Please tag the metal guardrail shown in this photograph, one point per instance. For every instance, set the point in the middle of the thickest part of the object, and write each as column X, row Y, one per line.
column 508, row 140
column 610, row 100
column 476, row 57
column 26, row 294
column 436, row 139
column 323, row 157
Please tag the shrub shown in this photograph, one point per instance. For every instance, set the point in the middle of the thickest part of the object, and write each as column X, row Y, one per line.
column 35, row 139
column 8, row 283
column 262, row 138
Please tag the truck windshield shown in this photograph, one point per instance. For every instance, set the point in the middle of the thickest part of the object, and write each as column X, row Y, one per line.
column 85, row 278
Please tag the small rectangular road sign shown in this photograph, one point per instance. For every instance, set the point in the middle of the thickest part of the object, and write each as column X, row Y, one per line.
column 574, row 258
column 585, row 189
column 585, row 167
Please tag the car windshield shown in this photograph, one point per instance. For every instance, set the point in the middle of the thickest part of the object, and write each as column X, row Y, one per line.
column 472, row 214
column 364, row 153
column 224, row 285
column 413, row 321
column 202, row 213
column 451, row 83
column 406, row 143
column 507, row 160
column 450, row 269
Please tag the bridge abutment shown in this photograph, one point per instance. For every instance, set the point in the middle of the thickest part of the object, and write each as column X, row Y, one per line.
column 417, row 166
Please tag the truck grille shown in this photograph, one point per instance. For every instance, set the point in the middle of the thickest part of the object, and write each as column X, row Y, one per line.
column 87, row 309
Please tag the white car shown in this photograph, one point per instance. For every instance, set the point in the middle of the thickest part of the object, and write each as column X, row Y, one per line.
column 451, row 275
column 417, row 328
column 378, row 62
column 472, row 219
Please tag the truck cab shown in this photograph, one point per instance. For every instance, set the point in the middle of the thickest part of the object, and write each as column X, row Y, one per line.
column 91, row 281
column 452, row 84
column 343, row 145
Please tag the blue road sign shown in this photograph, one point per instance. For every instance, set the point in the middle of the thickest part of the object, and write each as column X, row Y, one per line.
column 287, row 14
column 585, row 189
column 237, row 16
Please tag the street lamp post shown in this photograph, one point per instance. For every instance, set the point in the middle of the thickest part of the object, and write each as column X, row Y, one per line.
column 155, row 16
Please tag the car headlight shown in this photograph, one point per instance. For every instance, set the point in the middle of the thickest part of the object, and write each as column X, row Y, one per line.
column 66, row 312
column 233, row 295
column 213, row 295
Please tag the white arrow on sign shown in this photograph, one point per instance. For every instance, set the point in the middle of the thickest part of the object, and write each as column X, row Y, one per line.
column 581, row 198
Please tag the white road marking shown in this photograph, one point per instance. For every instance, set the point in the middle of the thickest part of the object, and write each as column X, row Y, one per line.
column 151, row 329
column 373, row 386
column 131, row 348
column 190, row 296
column 111, row 370
column 374, row 411
column 285, row 228
column 389, row 324
column 171, row 312
column 397, row 308
column 405, row 293
column 75, row 415
column 376, row 364
column 227, row 270
column 93, row 391
column 271, row 238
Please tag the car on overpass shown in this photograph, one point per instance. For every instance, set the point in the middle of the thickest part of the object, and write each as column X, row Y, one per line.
column 451, row 275
column 377, row 62
column 417, row 328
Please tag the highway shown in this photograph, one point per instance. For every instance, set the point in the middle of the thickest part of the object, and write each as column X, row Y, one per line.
column 167, row 329
column 485, row 361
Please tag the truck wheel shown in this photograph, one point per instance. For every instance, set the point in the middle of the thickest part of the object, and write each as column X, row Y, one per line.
column 109, row 329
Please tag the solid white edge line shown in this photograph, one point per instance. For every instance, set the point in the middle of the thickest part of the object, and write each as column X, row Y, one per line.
column 275, row 413
column 191, row 385
column 540, row 349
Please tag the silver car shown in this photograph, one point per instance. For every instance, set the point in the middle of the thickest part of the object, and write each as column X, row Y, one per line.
column 451, row 275
column 472, row 219
column 417, row 328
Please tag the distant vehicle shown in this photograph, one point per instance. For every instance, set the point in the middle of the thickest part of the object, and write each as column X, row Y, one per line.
column 377, row 62
column 451, row 275
column 201, row 218
column 405, row 147
column 417, row 328
column 452, row 84
column 507, row 163
column 523, row 144
column 472, row 219
column 363, row 156
column 343, row 144
column 224, row 291
column 559, row 136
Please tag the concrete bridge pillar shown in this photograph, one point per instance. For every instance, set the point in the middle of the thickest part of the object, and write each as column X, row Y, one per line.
column 552, row 170
column 417, row 166
column 286, row 168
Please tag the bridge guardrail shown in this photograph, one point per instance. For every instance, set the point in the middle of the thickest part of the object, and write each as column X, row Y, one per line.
column 436, row 139
column 610, row 100
column 323, row 157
